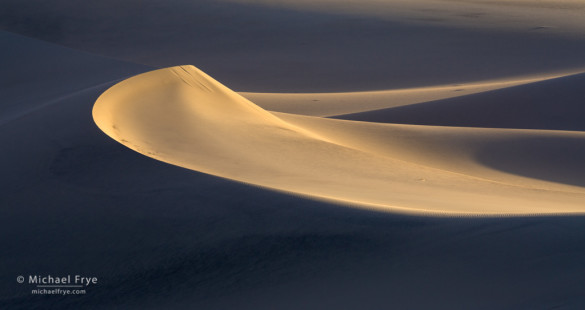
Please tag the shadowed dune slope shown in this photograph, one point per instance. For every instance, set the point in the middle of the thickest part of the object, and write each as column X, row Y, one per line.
column 552, row 104
column 182, row 116
column 80, row 73
column 323, row 46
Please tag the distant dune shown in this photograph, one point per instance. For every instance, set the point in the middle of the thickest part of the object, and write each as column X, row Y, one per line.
column 322, row 45
column 184, row 117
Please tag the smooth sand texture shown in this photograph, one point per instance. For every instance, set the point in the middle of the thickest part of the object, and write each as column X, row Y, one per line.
column 184, row 117
column 337, row 104
column 557, row 16
column 159, row 236
column 553, row 104
column 317, row 46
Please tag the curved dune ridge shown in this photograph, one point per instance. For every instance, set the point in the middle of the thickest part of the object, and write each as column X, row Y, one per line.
column 182, row 116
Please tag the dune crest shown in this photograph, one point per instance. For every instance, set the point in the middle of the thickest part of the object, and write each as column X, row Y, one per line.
column 184, row 117
column 342, row 104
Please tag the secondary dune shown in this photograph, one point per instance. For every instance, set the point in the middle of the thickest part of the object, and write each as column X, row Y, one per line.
column 182, row 116
column 549, row 104
column 338, row 104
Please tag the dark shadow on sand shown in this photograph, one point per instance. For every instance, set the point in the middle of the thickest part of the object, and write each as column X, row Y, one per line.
column 555, row 159
column 261, row 48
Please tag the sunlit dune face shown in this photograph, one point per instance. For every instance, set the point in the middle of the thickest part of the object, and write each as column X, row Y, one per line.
column 182, row 116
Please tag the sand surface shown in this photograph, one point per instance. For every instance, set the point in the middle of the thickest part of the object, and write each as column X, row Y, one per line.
column 318, row 46
column 184, row 117
column 372, row 155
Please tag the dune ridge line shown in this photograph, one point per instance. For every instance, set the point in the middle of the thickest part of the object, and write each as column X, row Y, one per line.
column 182, row 116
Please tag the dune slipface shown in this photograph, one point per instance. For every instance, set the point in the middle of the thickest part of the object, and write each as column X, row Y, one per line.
column 182, row 116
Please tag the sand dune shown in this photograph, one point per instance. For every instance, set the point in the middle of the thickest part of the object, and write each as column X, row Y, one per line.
column 262, row 228
column 318, row 46
column 336, row 104
column 184, row 117
column 560, row 17
column 552, row 104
